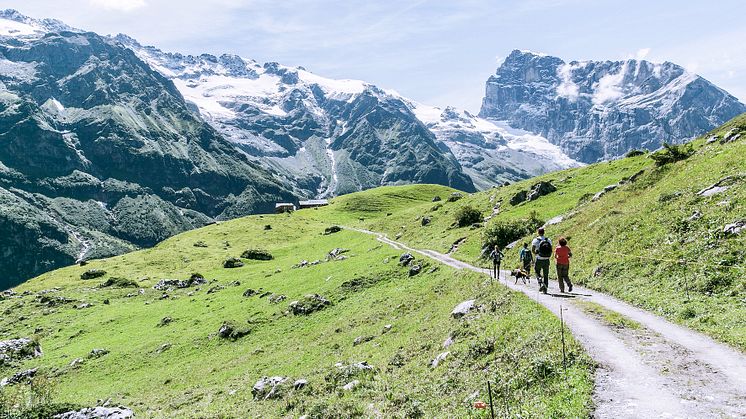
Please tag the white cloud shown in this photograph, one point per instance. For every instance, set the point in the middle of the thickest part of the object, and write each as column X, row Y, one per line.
column 121, row 5
column 609, row 87
column 567, row 88
column 642, row 53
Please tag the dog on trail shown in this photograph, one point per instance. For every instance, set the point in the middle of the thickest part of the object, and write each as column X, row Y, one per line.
column 520, row 274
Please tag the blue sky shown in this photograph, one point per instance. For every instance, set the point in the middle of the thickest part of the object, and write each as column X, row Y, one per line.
column 436, row 52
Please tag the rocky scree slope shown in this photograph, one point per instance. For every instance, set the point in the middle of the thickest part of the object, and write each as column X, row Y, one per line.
column 598, row 110
column 99, row 154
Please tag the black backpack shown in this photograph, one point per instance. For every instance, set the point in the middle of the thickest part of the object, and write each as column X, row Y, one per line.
column 545, row 248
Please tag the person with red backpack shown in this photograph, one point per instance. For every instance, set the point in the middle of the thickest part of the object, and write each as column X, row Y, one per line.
column 542, row 247
column 562, row 255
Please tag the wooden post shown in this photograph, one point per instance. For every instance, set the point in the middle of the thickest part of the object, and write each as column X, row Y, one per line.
column 489, row 391
column 562, row 332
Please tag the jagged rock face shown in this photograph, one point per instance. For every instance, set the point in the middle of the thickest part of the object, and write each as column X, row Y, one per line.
column 99, row 153
column 597, row 110
column 326, row 137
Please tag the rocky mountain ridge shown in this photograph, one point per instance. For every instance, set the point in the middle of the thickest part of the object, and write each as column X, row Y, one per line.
column 598, row 110
column 100, row 153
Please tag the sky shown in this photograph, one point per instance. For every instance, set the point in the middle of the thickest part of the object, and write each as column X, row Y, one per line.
column 435, row 52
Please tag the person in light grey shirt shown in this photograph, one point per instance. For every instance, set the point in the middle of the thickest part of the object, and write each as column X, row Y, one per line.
column 542, row 248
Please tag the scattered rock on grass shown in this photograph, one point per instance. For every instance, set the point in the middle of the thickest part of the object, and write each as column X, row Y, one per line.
column 351, row 385
column 19, row 378
column 229, row 331
column 92, row 274
column 604, row 191
column 268, row 388
column 300, row 384
column 415, row 269
column 362, row 339
column 405, row 259
column 232, row 263
column 455, row 197
column 97, row 353
column 736, row 228
column 165, row 321
column 436, row 198
column 276, row 298
column 309, row 304
column 250, row 292
column 98, row 413
column 337, row 254
column 425, row 221
column 119, row 283
column 332, row 230
column 200, row 243
column 462, row 309
column 193, row 281
column 438, row 359
column 215, row 289
column 17, row 349
column 540, row 189
column 163, row 348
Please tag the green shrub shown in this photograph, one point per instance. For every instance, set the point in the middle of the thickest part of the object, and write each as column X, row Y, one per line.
column 634, row 153
column 466, row 216
column 672, row 153
column 504, row 232
column 257, row 254
column 31, row 400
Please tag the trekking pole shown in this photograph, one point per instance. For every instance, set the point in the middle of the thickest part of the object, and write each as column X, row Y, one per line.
column 489, row 391
column 562, row 333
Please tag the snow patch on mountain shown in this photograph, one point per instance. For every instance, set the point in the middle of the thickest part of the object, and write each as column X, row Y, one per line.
column 492, row 151
column 14, row 24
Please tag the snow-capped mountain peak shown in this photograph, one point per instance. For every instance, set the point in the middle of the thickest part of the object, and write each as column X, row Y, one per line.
column 15, row 24
column 597, row 110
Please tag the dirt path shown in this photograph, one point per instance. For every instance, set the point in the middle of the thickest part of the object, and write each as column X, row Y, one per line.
column 660, row 370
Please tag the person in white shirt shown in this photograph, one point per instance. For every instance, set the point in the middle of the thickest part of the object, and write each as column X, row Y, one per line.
column 542, row 248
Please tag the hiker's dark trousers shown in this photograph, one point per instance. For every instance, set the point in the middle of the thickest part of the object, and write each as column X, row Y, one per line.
column 527, row 267
column 495, row 269
column 563, row 276
column 542, row 272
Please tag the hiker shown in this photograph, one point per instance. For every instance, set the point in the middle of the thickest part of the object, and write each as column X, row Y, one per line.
column 526, row 258
column 542, row 247
column 562, row 255
column 497, row 257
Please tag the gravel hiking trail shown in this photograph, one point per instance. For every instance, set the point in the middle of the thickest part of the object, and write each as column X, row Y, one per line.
column 657, row 370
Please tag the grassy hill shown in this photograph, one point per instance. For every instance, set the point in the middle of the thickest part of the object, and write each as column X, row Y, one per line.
column 653, row 240
column 183, row 368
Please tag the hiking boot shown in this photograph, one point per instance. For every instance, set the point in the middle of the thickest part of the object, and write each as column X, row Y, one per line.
column 569, row 288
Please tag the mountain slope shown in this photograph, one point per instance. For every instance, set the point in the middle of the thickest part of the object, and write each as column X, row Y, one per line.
column 166, row 358
column 102, row 153
column 338, row 136
column 666, row 238
column 597, row 110
column 326, row 136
